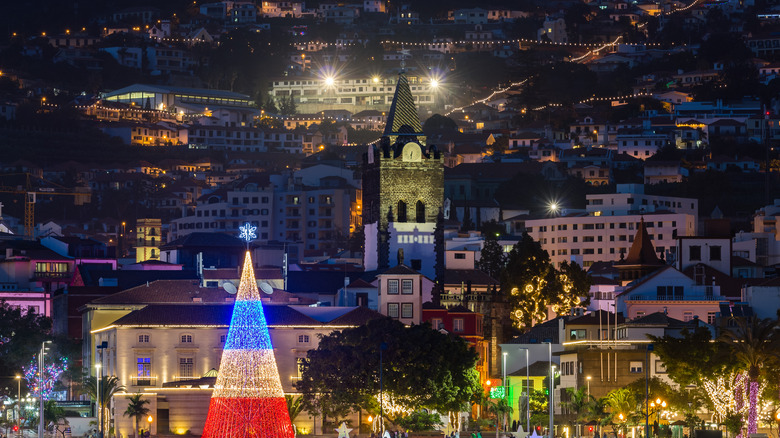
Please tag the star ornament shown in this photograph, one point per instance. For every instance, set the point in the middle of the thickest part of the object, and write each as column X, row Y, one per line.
column 247, row 232
column 343, row 431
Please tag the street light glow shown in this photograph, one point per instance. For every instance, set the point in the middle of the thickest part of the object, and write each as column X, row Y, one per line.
column 329, row 81
column 434, row 83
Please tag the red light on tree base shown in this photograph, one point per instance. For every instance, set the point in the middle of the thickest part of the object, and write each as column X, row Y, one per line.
column 590, row 429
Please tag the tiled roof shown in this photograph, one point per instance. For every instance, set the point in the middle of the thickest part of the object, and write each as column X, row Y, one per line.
column 210, row 314
column 359, row 316
column 475, row 276
column 199, row 239
column 536, row 369
column 360, row 283
column 400, row 270
column 167, row 292
column 539, row 333
column 125, row 279
column 656, row 318
column 642, row 251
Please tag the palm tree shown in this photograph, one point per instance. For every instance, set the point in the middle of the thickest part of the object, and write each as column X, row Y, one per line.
column 577, row 403
column 109, row 385
column 622, row 403
column 294, row 405
column 596, row 410
column 500, row 408
column 136, row 409
column 52, row 414
column 753, row 344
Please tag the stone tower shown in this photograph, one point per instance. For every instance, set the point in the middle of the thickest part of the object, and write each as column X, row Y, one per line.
column 403, row 191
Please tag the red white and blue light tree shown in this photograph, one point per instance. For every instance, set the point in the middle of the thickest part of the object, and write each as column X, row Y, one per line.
column 248, row 400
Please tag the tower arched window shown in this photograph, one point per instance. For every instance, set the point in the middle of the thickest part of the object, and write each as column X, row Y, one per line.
column 420, row 212
column 401, row 211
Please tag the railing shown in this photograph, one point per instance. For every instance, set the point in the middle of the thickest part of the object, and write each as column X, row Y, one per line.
column 51, row 275
column 469, row 297
column 143, row 381
column 655, row 297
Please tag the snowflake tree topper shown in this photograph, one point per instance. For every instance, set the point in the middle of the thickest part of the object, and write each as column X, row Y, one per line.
column 247, row 233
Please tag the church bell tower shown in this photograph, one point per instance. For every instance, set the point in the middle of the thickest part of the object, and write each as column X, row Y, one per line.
column 403, row 190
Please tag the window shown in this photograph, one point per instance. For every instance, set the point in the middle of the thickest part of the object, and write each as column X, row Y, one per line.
column 144, row 365
column 186, row 366
column 186, row 339
column 635, row 366
column 715, row 252
column 401, row 211
column 460, row 256
column 577, row 334
column 436, row 324
column 222, row 339
column 457, row 325
column 407, row 310
column 687, row 316
column 392, row 310
column 392, row 287
column 420, row 212
column 303, row 339
column 695, row 252
column 143, row 339
column 406, row 287
column 710, row 317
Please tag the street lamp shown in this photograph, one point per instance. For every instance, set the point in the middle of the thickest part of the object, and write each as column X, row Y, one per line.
column 552, row 385
column 382, row 347
column 19, row 403
column 588, row 379
column 149, row 420
column 98, row 398
column 40, row 385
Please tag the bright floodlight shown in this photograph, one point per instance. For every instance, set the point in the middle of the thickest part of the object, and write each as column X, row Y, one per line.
column 376, row 79
column 329, row 81
column 553, row 207
column 434, row 83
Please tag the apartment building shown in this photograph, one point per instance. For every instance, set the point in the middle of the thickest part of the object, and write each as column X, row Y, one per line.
column 607, row 228
column 281, row 207
column 314, row 94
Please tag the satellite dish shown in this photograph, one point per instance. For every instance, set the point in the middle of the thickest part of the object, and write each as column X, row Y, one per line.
column 229, row 288
column 266, row 288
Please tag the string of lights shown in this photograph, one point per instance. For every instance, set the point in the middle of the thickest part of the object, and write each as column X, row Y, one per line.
column 301, row 45
column 51, row 373
column 248, row 399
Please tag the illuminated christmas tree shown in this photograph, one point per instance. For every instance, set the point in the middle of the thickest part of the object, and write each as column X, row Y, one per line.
column 248, row 400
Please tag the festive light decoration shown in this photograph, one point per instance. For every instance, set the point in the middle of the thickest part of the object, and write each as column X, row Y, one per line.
column 247, row 232
column 728, row 394
column 753, row 409
column 248, row 400
column 51, row 372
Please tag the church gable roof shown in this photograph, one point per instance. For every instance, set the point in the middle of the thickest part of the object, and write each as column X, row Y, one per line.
column 403, row 117
column 642, row 251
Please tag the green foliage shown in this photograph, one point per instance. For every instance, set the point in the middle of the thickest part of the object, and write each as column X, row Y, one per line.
column 294, row 405
column 439, row 123
column 733, row 423
column 492, row 258
column 21, row 334
column 577, row 402
column 136, row 409
column 421, row 367
column 690, row 356
column 109, row 385
column 419, row 421
column 531, row 283
column 753, row 345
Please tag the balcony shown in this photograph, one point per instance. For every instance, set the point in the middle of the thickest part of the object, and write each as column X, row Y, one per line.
column 45, row 275
column 143, row 381
column 656, row 297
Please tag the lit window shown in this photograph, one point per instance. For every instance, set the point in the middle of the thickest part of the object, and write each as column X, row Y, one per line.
column 186, row 366
column 635, row 366
column 144, row 366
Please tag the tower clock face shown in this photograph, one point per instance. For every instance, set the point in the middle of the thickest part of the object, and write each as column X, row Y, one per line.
column 412, row 152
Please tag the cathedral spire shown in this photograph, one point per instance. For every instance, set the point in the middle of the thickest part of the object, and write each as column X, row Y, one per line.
column 403, row 120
